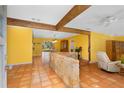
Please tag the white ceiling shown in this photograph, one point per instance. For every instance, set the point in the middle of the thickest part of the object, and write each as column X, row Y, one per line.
column 50, row 14
column 38, row 33
column 93, row 19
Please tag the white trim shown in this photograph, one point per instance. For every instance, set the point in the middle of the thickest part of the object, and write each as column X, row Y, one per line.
column 11, row 65
column 23, row 63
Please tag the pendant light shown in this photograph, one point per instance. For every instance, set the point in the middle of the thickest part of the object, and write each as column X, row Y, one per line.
column 54, row 40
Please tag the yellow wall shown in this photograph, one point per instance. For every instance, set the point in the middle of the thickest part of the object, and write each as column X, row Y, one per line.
column 57, row 45
column 19, row 44
column 98, row 43
column 119, row 38
column 80, row 41
column 38, row 47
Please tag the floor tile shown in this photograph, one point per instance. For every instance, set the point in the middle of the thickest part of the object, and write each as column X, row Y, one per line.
column 40, row 75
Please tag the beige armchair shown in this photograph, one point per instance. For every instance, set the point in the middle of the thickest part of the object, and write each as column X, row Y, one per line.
column 105, row 63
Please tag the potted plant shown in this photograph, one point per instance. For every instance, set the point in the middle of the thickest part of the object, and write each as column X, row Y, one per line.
column 78, row 50
column 122, row 60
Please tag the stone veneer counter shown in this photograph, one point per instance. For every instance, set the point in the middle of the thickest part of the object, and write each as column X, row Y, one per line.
column 66, row 65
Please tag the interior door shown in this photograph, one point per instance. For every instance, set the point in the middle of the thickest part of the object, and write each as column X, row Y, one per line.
column 3, row 62
column 64, row 46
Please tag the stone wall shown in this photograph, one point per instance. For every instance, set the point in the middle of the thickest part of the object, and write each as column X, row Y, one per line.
column 66, row 67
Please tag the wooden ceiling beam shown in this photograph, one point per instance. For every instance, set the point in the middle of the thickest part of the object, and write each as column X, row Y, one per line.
column 30, row 24
column 74, row 30
column 74, row 12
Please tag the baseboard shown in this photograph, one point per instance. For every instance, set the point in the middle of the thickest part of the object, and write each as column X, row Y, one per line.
column 11, row 65
column 37, row 55
column 92, row 62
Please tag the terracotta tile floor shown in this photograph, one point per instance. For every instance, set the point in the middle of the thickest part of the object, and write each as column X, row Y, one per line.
column 92, row 77
column 39, row 75
column 36, row 75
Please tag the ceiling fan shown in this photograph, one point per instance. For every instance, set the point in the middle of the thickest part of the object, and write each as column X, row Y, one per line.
column 109, row 19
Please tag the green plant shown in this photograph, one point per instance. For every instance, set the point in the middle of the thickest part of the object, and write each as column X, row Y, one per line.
column 47, row 45
column 122, row 59
column 77, row 49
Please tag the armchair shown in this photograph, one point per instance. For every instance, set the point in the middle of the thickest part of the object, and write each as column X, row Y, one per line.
column 105, row 63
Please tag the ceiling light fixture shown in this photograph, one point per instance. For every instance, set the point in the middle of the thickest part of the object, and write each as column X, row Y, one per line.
column 35, row 19
column 55, row 40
